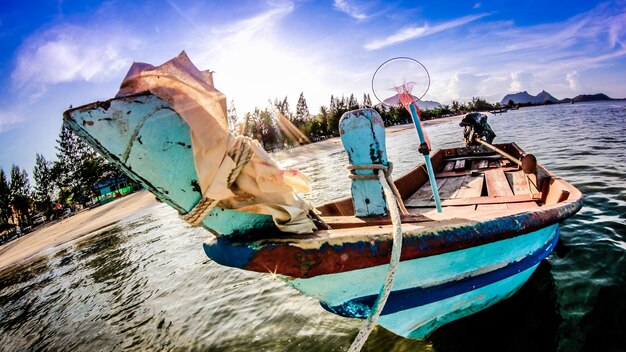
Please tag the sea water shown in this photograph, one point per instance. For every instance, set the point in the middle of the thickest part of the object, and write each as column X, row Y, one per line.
column 145, row 284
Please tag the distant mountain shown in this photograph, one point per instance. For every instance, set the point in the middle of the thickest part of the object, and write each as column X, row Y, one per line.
column 591, row 97
column 525, row 98
column 517, row 98
column 545, row 96
column 428, row 104
column 421, row 104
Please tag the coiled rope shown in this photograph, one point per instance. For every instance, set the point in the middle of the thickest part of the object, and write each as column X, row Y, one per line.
column 393, row 201
column 389, row 181
column 241, row 153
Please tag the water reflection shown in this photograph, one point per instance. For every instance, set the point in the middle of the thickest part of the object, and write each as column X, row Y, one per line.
column 145, row 283
column 528, row 321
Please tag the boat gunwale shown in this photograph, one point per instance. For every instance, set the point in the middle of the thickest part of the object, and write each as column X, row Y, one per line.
column 309, row 256
column 323, row 251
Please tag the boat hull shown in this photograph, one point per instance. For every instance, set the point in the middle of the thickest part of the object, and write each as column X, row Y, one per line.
column 431, row 291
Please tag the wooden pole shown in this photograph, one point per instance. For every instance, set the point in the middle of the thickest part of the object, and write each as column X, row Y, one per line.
column 429, row 166
column 528, row 162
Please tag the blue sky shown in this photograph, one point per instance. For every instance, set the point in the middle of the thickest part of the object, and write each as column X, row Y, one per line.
column 54, row 54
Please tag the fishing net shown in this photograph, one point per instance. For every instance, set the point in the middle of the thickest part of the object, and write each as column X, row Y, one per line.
column 408, row 79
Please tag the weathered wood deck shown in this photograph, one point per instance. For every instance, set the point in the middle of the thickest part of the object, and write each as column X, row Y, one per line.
column 482, row 183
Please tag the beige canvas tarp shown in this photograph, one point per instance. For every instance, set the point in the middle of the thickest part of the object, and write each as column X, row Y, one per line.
column 262, row 186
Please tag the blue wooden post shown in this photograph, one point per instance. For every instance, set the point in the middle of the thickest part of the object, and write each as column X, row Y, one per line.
column 363, row 136
column 429, row 165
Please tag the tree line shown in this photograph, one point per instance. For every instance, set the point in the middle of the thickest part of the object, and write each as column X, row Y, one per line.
column 69, row 181
column 277, row 127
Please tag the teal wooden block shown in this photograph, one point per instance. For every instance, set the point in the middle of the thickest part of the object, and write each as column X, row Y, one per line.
column 151, row 143
column 363, row 136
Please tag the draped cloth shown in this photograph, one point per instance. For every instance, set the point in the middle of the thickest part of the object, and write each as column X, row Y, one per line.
column 262, row 186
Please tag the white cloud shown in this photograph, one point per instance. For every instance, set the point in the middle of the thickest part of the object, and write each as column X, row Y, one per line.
column 68, row 53
column 521, row 81
column 350, row 8
column 572, row 79
column 8, row 119
column 410, row 33
column 477, row 5
column 466, row 85
column 591, row 40
column 616, row 31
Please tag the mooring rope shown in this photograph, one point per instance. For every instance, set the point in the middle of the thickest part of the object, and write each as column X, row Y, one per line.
column 241, row 153
column 387, row 171
column 392, row 204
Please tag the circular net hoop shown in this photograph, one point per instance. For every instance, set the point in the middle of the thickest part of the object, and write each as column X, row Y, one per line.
column 400, row 77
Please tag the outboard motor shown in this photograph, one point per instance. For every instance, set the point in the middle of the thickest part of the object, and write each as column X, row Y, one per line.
column 476, row 126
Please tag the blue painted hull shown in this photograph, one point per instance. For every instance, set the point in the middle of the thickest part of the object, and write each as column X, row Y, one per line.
column 432, row 291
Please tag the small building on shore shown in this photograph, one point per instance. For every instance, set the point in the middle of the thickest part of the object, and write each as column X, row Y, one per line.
column 109, row 190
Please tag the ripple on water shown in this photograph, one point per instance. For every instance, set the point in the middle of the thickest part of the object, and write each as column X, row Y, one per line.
column 145, row 283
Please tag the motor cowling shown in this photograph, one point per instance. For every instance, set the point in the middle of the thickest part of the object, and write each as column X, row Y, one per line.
column 476, row 126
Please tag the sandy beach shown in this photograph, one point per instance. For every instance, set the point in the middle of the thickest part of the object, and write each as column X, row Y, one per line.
column 58, row 233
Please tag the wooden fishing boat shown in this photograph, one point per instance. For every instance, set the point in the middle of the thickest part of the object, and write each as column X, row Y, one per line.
column 497, row 223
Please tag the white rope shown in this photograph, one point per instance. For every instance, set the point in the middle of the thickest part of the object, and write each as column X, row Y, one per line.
column 241, row 153
column 370, row 322
column 387, row 171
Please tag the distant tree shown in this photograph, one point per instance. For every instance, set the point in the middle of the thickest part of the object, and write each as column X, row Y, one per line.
column 232, row 118
column 395, row 115
column 302, row 111
column 283, row 107
column 335, row 110
column 44, row 185
column 352, row 104
column 114, row 173
column 20, row 195
column 480, row 104
column 252, row 125
column 342, row 104
column 92, row 171
column 79, row 167
column 5, row 198
column 270, row 138
column 68, row 155
column 324, row 116
column 367, row 101
column 456, row 106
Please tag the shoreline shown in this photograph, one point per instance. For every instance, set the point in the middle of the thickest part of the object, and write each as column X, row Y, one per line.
column 289, row 157
column 48, row 236
column 52, row 235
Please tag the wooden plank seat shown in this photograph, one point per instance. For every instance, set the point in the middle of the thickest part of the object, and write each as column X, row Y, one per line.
column 519, row 182
column 344, row 222
column 480, row 164
column 425, row 193
column 472, row 187
column 503, row 184
column 478, row 201
column 497, row 183
column 445, row 174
